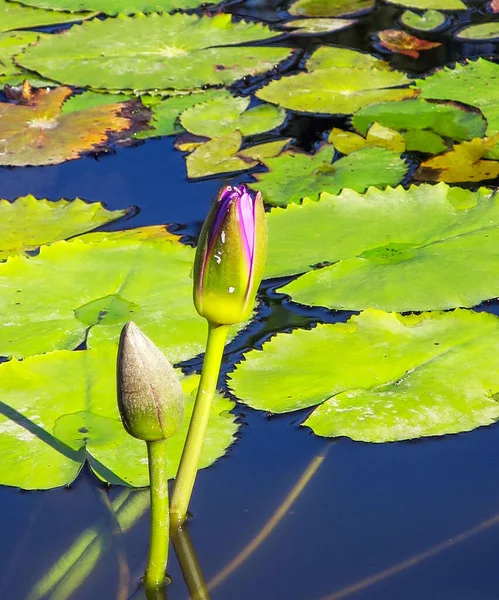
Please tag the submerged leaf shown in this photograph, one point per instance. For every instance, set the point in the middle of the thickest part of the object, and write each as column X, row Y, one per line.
column 28, row 223
column 403, row 43
column 382, row 377
column 35, row 132
column 47, row 433
column 294, row 174
column 154, row 52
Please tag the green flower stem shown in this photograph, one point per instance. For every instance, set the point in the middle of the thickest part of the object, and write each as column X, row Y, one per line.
column 191, row 570
column 189, row 463
column 160, row 518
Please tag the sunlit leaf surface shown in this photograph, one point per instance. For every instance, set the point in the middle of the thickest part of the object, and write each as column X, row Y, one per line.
column 326, row 8
column 35, row 132
column 474, row 83
column 436, row 250
column 483, row 31
column 47, row 433
column 17, row 16
column 381, row 377
column 28, row 223
column 12, row 44
column 144, row 275
column 432, row 4
column 294, row 175
column 428, row 21
column 316, row 26
column 154, row 52
column 113, row 7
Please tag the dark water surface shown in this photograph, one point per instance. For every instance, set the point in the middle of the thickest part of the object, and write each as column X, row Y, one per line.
column 375, row 522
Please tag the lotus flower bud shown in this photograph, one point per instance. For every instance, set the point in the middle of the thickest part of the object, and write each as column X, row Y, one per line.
column 230, row 257
column 150, row 397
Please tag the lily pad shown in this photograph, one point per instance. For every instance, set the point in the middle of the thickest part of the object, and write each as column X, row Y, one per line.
column 421, row 140
column 428, row 21
column 345, row 226
column 12, row 44
column 335, row 56
column 141, row 275
column 316, row 26
column 113, row 7
column 383, row 377
column 378, row 135
column 401, row 42
column 421, row 249
column 482, row 31
column 47, row 434
column 225, row 113
column 431, row 4
column 294, row 175
column 474, row 83
column 326, row 8
column 444, row 118
column 462, row 163
column 28, row 223
column 154, row 52
column 17, row 16
column 336, row 89
column 35, row 132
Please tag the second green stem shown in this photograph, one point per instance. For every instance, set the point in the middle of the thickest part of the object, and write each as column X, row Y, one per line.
column 189, row 463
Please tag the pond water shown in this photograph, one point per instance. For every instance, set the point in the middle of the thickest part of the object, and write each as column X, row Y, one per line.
column 412, row 520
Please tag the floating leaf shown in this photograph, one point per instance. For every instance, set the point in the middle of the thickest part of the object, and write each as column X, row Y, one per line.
column 294, row 175
column 34, row 132
column 17, row 16
column 378, row 135
column 431, row 4
column 47, row 433
column 336, row 89
column 462, row 163
column 143, row 275
column 86, row 100
column 225, row 114
column 474, row 83
column 383, row 377
column 422, row 249
column 154, row 52
column 333, row 56
column 218, row 155
column 28, row 223
column 262, row 151
column 326, row 8
column 346, row 142
column 445, row 118
column 424, row 141
column 482, row 31
column 113, row 7
column 428, row 21
column 317, row 26
column 12, row 44
column 403, row 43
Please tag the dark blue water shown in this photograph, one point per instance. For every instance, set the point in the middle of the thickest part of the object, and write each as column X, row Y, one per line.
column 375, row 522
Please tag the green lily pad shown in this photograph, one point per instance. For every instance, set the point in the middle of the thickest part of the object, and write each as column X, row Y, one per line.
column 482, row 31
column 382, row 377
column 444, row 118
column 346, row 226
column 218, row 155
column 421, row 140
column 347, row 142
column 87, row 100
column 28, row 223
column 224, row 114
column 141, row 275
column 431, row 4
column 294, row 175
column 154, row 52
column 333, row 90
column 428, row 21
column 439, row 251
column 17, row 16
column 474, row 83
column 113, row 7
column 316, row 26
column 47, row 433
column 334, row 56
column 326, row 8
column 12, row 44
